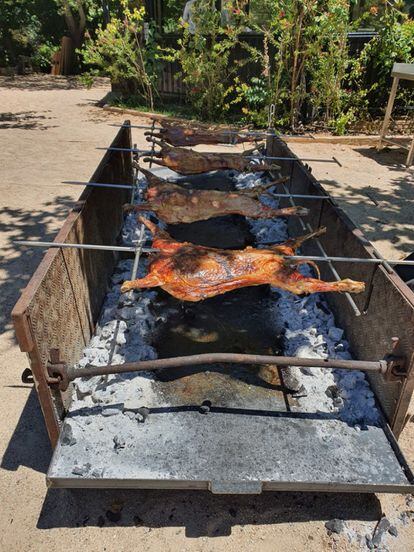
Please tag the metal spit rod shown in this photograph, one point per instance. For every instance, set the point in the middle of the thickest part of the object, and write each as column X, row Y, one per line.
column 224, row 131
column 368, row 260
column 100, row 184
column 257, row 157
column 138, row 251
column 131, row 249
column 129, row 187
column 64, row 374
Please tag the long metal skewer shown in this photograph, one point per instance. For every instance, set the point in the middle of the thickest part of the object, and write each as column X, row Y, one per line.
column 99, row 184
column 129, row 187
column 224, row 131
column 271, row 158
column 257, row 157
column 368, row 260
column 138, row 251
column 131, row 249
column 62, row 375
column 130, row 150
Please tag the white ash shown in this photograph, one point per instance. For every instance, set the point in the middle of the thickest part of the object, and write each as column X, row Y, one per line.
column 310, row 331
column 125, row 326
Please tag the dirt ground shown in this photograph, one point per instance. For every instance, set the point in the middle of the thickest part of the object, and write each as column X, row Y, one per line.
column 49, row 131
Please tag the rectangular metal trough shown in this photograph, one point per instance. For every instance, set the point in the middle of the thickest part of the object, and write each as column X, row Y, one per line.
column 250, row 440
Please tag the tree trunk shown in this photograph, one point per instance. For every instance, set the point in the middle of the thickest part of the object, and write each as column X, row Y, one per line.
column 76, row 26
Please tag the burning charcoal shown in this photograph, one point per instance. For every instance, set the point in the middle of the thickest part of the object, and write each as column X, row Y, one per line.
column 96, row 343
column 117, row 278
column 101, row 359
column 116, row 359
column 291, row 379
column 81, row 470
column 380, row 530
column 140, row 417
column 120, row 339
column 368, row 542
column 335, row 526
column 109, row 329
column 127, row 299
column 119, row 442
column 110, row 412
column 393, row 531
column 83, row 388
column 335, row 333
column 67, row 437
column 127, row 313
column 339, row 347
column 332, row 391
column 319, row 341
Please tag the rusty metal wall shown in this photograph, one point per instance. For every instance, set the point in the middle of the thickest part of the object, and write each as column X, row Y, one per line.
column 391, row 306
column 61, row 303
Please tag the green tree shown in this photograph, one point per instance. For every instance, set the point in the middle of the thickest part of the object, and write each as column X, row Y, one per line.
column 27, row 26
column 204, row 53
column 125, row 53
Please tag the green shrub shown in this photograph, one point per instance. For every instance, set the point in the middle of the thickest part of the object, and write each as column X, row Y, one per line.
column 125, row 53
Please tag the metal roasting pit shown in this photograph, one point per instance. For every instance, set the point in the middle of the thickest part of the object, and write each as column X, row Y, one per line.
column 224, row 429
column 211, row 427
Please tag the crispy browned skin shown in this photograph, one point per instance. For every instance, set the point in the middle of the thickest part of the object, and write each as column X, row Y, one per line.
column 182, row 135
column 174, row 204
column 188, row 161
column 192, row 273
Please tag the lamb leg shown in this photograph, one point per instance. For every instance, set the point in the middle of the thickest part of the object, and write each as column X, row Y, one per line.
column 299, row 284
column 150, row 280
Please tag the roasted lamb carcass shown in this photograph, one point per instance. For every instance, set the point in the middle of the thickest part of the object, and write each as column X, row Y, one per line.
column 192, row 273
column 187, row 161
column 174, row 204
column 185, row 135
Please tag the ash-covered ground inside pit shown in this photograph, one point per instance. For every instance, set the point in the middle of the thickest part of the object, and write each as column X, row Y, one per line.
column 339, row 404
column 307, row 325
column 310, row 332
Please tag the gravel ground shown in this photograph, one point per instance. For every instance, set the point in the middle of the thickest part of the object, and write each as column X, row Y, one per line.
column 49, row 128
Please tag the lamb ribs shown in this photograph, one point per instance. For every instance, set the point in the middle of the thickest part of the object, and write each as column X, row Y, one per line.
column 175, row 204
column 194, row 273
column 188, row 162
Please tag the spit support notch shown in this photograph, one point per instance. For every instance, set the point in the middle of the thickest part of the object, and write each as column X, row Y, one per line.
column 392, row 367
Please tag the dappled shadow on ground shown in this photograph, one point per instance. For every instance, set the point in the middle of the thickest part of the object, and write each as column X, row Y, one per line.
column 393, row 158
column 25, row 120
column 386, row 214
column 29, row 445
column 18, row 264
column 38, row 81
column 199, row 512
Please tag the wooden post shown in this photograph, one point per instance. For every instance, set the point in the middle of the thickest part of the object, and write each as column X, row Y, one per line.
column 410, row 156
column 388, row 111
